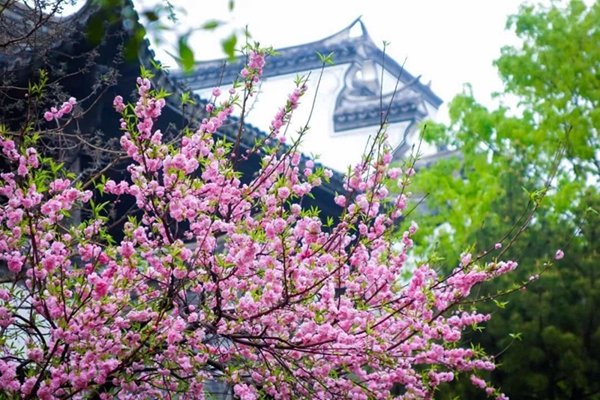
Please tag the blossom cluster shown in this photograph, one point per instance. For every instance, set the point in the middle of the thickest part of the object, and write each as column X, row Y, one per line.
column 65, row 109
column 223, row 279
column 254, row 69
column 284, row 114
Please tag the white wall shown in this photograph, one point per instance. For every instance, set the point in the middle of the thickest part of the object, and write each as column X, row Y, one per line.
column 336, row 150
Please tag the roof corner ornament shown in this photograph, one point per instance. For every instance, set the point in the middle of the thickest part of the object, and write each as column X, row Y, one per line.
column 357, row 28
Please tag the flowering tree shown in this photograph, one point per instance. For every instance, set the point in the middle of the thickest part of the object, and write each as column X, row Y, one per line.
column 220, row 280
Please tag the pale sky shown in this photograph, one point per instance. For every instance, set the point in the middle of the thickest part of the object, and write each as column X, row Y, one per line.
column 447, row 42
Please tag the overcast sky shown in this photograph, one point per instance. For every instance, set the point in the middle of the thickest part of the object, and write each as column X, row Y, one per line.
column 447, row 42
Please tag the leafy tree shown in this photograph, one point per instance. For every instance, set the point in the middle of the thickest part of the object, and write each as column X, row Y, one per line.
column 505, row 156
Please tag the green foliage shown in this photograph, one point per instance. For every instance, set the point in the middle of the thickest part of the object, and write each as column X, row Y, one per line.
column 186, row 55
column 506, row 158
column 567, row 93
column 158, row 19
column 229, row 46
column 328, row 59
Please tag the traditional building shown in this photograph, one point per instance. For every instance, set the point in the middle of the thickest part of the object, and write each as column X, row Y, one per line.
column 361, row 89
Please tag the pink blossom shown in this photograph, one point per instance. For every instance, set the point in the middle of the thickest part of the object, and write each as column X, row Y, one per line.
column 118, row 104
column 340, row 200
column 394, row 173
column 35, row 354
column 413, row 228
column 65, row 108
column 283, row 193
column 478, row 382
column 465, row 259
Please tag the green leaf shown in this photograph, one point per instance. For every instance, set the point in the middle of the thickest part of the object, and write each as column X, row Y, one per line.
column 158, row 66
column 186, row 55
column 132, row 45
column 229, row 46
column 211, row 25
column 500, row 304
column 186, row 98
column 95, row 29
column 328, row 59
column 516, row 336
column 151, row 15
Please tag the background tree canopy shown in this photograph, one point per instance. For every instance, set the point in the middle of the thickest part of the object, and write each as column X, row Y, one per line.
column 555, row 76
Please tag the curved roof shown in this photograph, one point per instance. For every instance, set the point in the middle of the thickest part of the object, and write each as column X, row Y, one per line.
column 345, row 47
column 360, row 102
